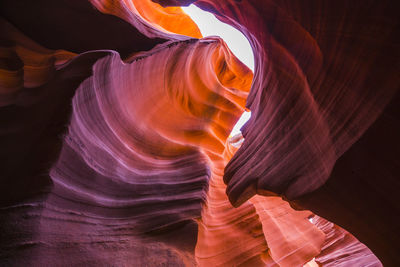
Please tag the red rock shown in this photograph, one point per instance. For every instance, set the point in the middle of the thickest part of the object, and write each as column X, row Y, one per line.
column 114, row 132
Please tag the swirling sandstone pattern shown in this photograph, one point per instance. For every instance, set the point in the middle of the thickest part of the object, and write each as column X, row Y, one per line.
column 115, row 123
column 325, row 71
column 147, row 15
column 341, row 248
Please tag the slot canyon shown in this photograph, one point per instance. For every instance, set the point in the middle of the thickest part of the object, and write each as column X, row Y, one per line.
column 116, row 145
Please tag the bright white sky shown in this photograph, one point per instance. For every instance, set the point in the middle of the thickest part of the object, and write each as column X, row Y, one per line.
column 243, row 119
column 209, row 25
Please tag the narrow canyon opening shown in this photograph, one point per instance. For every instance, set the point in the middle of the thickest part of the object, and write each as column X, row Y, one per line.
column 121, row 144
column 209, row 25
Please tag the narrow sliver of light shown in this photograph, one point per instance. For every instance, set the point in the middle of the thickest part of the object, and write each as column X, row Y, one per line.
column 242, row 120
column 209, row 25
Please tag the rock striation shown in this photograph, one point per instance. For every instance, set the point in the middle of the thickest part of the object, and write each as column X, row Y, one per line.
column 114, row 132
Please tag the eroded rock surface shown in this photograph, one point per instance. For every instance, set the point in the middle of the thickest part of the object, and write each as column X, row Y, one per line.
column 114, row 135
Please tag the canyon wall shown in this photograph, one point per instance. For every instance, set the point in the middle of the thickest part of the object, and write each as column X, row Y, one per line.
column 114, row 132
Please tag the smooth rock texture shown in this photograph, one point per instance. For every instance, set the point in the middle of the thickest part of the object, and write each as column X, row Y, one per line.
column 114, row 126
column 77, row 26
column 147, row 15
column 341, row 248
column 325, row 71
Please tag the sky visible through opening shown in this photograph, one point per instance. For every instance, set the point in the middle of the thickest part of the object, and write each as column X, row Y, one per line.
column 209, row 25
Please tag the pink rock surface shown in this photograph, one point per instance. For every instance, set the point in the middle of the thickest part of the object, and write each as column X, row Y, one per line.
column 114, row 130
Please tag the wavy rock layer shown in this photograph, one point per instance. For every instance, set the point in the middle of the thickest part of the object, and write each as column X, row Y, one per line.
column 147, row 15
column 110, row 161
column 139, row 146
column 76, row 26
column 128, row 178
column 324, row 73
column 291, row 238
column 229, row 236
column 341, row 248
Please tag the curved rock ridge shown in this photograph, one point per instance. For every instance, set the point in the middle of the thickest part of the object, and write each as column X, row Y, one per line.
column 114, row 135
column 143, row 145
column 313, row 96
column 134, row 163
column 24, row 64
column 324, row 74
column 148, row 147
column 77, row 26
column 229, row 236
column 36, row 88
column 261, row 232
column 341, row 248
column 151, row 15
column 292, row 238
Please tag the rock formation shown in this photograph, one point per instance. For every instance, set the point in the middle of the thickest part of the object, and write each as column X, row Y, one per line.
column 114, row 126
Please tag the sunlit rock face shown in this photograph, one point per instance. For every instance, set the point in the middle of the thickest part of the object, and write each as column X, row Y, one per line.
column 114, row 135
column 325, row 72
